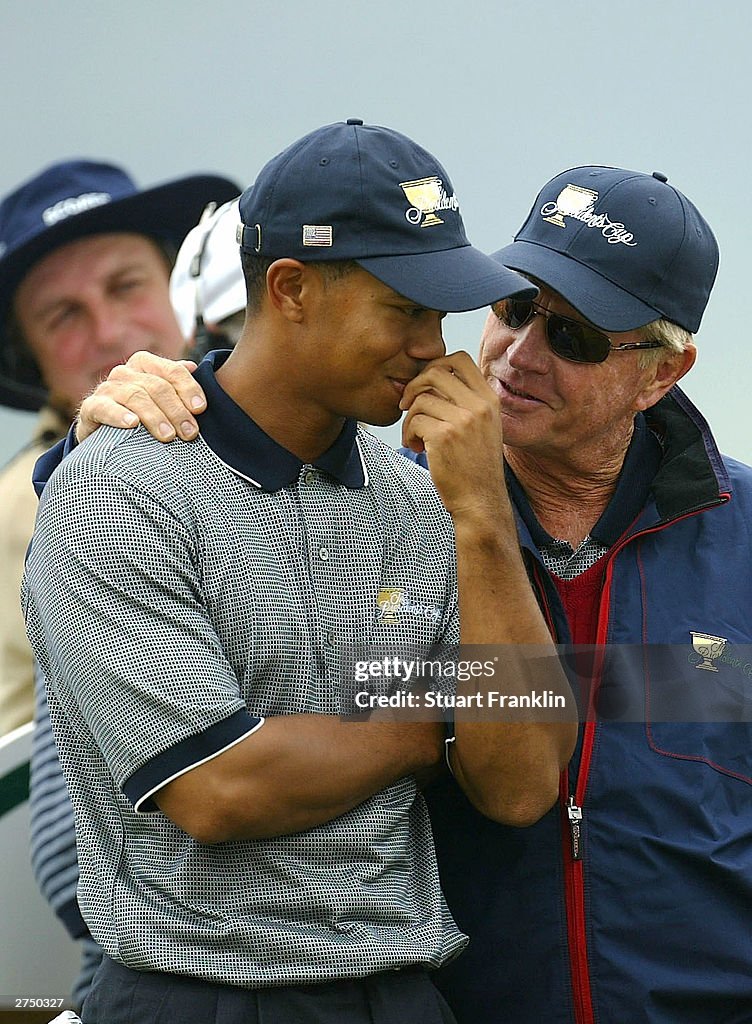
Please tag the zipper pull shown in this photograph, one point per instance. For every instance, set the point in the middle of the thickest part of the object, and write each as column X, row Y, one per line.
column 574, row 813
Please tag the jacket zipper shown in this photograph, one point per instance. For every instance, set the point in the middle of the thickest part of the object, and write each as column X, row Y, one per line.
column 574, row 878
column 574, row 813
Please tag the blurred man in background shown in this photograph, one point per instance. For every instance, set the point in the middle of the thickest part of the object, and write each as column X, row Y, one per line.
column 85, row 258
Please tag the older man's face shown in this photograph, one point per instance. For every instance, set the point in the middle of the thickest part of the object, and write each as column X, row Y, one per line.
column 553, row 406
column 91, row 304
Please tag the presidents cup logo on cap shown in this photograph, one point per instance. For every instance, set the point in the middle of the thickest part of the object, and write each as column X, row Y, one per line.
column 426, row 196
column 73, row 205
column 578, row 203
column 572, row 201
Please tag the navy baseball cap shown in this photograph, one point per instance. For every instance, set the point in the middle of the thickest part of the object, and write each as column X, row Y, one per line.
column 350, row 191
column 71, row 200
column 623, row 248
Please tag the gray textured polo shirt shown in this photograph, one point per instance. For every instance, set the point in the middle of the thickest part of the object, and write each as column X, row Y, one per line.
column 175, row 596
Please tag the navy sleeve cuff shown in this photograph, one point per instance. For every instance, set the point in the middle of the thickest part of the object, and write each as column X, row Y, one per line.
column 140, row 787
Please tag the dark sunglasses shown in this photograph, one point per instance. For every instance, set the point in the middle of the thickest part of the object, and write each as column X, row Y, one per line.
column 569, row 339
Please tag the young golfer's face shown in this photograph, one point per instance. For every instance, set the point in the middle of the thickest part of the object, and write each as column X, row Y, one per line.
column 371, row 342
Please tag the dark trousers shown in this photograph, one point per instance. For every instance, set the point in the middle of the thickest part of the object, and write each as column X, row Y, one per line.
column 120, row 995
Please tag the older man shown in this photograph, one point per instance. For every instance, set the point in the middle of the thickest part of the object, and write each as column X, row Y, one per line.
column 85, row 258
column 631, row 901
column 244, row 851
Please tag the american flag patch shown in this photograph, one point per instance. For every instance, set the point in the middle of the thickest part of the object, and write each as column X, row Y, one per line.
column 317, row 234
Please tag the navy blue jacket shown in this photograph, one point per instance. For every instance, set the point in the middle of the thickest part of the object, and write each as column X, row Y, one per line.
column 653, row 922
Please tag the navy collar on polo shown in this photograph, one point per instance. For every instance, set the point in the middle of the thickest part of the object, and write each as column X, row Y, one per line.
column 633, row 486
column 244, row 447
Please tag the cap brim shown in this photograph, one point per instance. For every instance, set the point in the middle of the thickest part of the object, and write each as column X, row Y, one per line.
column 452, row 281
column 603, row 303
column 166, row 212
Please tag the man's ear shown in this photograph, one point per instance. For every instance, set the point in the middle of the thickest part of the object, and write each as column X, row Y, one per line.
column 665, row 374
column 285, row 285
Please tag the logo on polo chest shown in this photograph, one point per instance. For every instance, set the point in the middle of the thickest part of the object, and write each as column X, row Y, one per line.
column 389, row 600
column 426, row 196
column 578, row 204
column 393, row 602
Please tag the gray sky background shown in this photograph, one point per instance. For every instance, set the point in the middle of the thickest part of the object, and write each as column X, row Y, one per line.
column 506, row 94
